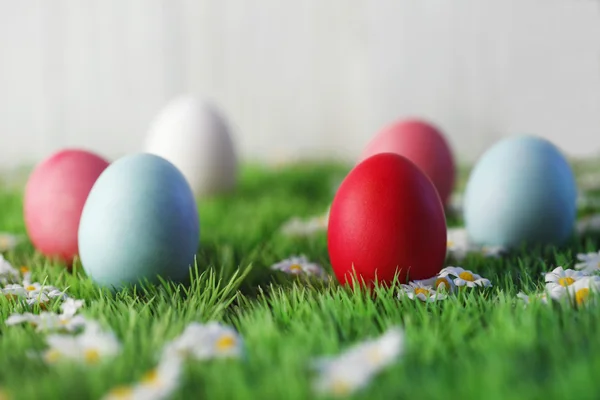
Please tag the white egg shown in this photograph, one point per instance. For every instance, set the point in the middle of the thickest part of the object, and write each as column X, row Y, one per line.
column 193, row 135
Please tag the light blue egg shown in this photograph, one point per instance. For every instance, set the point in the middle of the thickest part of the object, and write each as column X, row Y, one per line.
column 522, row 190
column 140, row 221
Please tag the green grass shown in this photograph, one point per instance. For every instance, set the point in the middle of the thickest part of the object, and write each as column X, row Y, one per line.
column 482, row 344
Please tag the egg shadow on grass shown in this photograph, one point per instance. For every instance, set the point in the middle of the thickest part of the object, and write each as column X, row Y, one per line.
column 226, row 260
column 143, row 289
column 200, row 280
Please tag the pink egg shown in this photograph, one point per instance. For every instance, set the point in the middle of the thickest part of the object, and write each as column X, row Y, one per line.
column 424, row 145
column 54, row 198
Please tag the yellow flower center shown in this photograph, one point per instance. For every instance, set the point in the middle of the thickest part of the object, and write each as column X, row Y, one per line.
column 374, row 356
column 225, row 342
column 184, row 352
column 442, row 282
column 582, row 295
column 121, row 392
column 150, row 377
column 466, row 276
column 566, row 281
column 340, row 388
column 24, row 270
column 91, row 356
column 30, row 288
column 421, row 290
column 52, row 356
column 450, row 243
column 296, row 267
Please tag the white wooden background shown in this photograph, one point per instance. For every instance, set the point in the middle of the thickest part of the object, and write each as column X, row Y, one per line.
column 298, row 78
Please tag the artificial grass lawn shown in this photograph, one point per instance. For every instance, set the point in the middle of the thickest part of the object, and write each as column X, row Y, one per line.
column 482, row 344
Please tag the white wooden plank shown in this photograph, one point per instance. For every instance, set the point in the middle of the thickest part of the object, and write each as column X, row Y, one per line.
column 309, row 78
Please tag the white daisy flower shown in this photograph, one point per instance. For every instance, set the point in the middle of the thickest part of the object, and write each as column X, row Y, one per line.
column 527, row 299
column 71, row 306
column 37, row 293
column 48, row 321
column 299, row 227
column 299, row 265
column 589, row 263
column 354, row 369
column 8, row 274
column 492, row 251
column 89, row 347
column 342, row 378
column 14, row 290
column 9, row 241
column 419, row 291
column 584, row 291
column 162, row 381
column 590, row 223
column 559, row 279
column 32, row 293
column 439, row 283
column 16, row 319
column 36, row 287
column 205, row 341
column 459, row 245
column 463, row 277
column 156, row 384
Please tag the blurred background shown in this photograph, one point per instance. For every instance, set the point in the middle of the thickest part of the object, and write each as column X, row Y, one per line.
column 298, row 79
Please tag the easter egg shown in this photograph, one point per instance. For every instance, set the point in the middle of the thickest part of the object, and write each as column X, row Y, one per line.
column 194, row 136
column 522, row 190
column 139, row 223
column 54, row 197
column 386, row 219
column 424, row 145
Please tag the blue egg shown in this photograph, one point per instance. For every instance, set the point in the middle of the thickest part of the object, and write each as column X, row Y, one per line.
column 521, row 191
column 140, row 222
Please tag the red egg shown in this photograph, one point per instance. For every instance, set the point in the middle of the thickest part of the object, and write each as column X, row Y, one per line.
column 54, row 197
column 386, row 219
column 424, row 145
